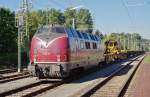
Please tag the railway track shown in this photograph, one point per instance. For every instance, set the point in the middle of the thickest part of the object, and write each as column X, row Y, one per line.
column 40, row 87
column 31, row 89
column 76, row 88
column 8, row 71
column 116, row 84
column 13, row 76
column 12, row 70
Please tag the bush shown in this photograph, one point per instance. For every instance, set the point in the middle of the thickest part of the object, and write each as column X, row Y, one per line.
column 10, row 60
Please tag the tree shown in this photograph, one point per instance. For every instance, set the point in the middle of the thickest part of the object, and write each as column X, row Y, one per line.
column 113, row 36
column 36, row 19
column 56, row 16
column 45, row 17
column 8, row 31
column 98, row 33
column 127, row 41
column 69, row 15
column 84, row 20
column 82, row 17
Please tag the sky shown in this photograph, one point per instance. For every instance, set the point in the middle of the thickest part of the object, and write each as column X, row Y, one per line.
column 130, row 16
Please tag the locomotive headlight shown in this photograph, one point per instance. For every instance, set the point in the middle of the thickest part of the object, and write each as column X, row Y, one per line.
column 58, row 54
column 58, row 58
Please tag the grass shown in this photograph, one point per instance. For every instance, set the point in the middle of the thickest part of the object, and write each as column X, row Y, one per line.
column 147, row 59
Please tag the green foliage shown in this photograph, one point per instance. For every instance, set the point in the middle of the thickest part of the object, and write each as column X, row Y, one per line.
column 127, row 41
column 112, row 36
column 98, row 33
column 56, row 16
column 84, row 20
column 69, row 15
column 36, row 18
column 8, row 31
column 82, row 17
column 40, row 17
column 145, row 44
column 147, row 59
column 8, row 60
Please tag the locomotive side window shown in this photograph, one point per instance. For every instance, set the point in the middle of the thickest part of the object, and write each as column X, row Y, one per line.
column 82, row 44
column 94, row 45
column 87, row 45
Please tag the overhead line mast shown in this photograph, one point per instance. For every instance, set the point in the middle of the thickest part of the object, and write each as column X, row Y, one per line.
column 23, row 30
column 26, row 15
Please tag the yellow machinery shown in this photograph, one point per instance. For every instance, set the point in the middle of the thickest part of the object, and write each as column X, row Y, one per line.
column 113, row 51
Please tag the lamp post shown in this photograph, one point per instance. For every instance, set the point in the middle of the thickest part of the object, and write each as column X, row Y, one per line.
column 73, row 19
column 73, row 23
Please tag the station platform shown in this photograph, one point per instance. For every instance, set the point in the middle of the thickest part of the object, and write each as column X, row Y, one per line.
column 140, row 85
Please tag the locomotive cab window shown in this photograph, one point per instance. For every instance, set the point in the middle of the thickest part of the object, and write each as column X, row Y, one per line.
column 111, row 44
column 48, row 29
column 57, row 30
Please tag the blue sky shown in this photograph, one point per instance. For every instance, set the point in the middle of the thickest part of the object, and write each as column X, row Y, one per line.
column 109, row 15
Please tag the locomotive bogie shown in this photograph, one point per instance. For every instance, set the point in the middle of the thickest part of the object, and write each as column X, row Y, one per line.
column 50, row 70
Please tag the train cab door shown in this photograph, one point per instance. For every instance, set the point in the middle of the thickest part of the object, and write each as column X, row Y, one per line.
column 76, row 48
column 73, row 44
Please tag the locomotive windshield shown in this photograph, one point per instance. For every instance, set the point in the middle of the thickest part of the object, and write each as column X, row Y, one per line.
column 48, row 29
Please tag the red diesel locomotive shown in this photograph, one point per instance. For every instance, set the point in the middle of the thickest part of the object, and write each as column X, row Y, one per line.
column 56, row 51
